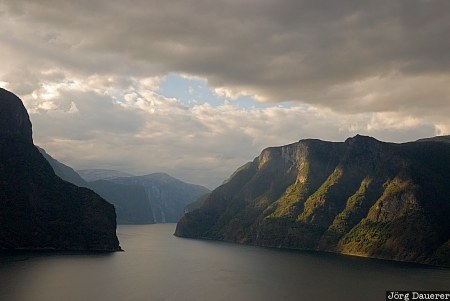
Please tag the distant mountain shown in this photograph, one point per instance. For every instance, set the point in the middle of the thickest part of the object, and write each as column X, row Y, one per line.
column 360, row 197
column 167, row 196
column 38, row 210
column 90, row 175
column 130, row 201
column 63, row 171
column 146, row 199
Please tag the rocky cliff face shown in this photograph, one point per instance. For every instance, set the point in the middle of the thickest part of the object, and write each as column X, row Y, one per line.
column 361, row 197
column 38, row 210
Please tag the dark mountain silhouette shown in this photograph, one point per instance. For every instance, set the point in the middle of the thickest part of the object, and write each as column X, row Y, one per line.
column 63, row 171
column 38, row 210
column 436, row 139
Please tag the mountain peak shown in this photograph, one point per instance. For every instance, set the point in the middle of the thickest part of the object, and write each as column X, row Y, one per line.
column 360, row 138
column 159, row 175
column 14, row 120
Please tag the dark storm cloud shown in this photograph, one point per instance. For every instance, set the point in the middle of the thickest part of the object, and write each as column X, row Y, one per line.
column 278, row 50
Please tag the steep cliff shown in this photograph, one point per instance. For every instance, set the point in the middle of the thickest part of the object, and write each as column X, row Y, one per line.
column 361, row 197
column 38, row 210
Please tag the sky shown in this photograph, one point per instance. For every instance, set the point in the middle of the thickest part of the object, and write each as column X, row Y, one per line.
column 197, row 88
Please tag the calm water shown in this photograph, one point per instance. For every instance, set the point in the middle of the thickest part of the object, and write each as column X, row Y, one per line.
column 159, row 266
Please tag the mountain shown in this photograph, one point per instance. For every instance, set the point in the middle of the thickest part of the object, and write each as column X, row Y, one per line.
column 63, row 171
column 167, row 196
column 90, row 175
column 38, row 210
column 437, row 138
column 131, row 202
column 196, row 204
column 146, row 199
column 153, row 198
column 361, row 197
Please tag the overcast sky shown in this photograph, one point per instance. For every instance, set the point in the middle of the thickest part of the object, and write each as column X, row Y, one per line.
column 198, row 88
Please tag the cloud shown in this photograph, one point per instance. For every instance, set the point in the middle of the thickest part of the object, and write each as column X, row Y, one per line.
column 89, row 73
column 288, row 50
column 139, row 131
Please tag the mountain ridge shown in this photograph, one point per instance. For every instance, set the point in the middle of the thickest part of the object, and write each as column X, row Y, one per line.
column 362, row 197
column 138, row 199
column 130, row 201
column 90, row 175
column 169, row 196
column 64, row 171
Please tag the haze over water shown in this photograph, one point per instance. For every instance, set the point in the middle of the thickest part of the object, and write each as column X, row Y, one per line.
column 158, row 266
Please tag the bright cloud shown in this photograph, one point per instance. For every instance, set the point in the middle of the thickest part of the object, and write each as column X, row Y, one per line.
column 140, row 131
